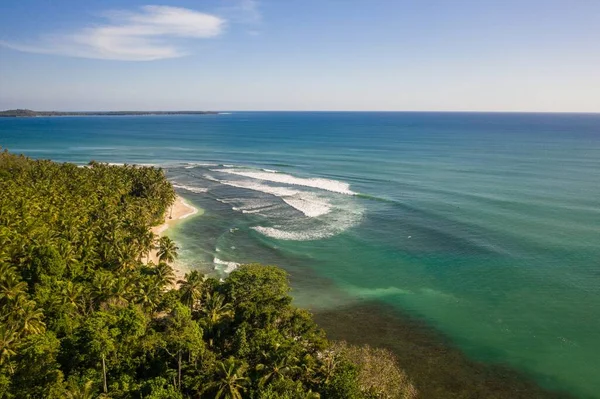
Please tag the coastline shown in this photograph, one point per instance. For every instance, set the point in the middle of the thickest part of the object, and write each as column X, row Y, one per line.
column 179, row 211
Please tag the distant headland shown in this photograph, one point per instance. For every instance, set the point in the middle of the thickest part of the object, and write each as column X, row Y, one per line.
column 30, row 113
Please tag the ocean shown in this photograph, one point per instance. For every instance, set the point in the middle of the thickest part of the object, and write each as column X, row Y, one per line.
column 475, row 235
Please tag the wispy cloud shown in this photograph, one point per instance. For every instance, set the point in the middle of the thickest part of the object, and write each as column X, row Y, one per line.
column 249, row 11
column 150, row 33
column 243, row 11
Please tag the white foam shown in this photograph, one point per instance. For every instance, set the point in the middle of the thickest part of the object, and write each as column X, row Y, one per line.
column 229, row 266
column 250, row 210
column 132, row 164
column 263, row 210
column 307, row 203
column 191, row 165
column 318, row 183
column 269, row 170
column 197, row 190
column 252, row 205
column 280, row 234
column 211, row 178
column 276, row 191
column 341, row 218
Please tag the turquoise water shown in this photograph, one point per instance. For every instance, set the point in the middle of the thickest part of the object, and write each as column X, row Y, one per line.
column 484, row 226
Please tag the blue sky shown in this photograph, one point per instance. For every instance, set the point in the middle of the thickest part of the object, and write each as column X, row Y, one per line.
column 527, row 55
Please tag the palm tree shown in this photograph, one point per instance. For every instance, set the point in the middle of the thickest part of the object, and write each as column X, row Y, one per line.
column 101, row 287
column 165, row 274
column 167, row 250
column 120, row 292
column 30, row 318
column 81, row 391
column 11, row 286
column 232, row 380
column 277, row 366
column 72, row 295
column 191, row 288
column 149, row 293
column 146, row 241
column 215, row 309
column 8, row 340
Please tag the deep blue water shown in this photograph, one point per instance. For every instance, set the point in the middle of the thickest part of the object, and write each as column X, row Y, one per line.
column 484, row 226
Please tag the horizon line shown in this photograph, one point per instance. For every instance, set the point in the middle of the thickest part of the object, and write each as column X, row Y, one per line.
column 304, row 110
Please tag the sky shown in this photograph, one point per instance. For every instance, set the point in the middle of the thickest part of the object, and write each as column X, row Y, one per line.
column 389, row 55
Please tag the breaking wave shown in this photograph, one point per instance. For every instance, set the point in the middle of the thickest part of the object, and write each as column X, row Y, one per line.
column 307, row 203
column 225, row 266
column 191, row 165
column 281, row 206
column 197, row 190
column 275, row 177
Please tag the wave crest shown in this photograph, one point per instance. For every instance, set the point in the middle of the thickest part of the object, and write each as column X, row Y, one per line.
column 275, row 177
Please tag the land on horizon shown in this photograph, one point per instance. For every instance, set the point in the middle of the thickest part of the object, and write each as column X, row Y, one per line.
column 31, row 113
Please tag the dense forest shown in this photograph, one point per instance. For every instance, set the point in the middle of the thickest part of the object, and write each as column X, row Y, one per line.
column 84, row 316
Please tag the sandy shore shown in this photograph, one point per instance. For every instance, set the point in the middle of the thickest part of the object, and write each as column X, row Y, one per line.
column 178, row 212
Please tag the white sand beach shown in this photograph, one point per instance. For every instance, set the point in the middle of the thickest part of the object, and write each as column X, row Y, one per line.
column 179, row 211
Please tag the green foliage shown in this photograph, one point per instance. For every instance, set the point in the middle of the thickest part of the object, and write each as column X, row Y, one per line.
column 167, row 250
column 81, row 316
column 343, row 384
column 378, row 373
column 287, row 389
column 37, row 368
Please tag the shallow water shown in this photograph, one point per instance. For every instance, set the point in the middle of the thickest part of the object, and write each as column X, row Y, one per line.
column 485, row 227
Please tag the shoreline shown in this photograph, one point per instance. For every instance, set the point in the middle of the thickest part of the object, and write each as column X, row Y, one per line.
column 179, row 211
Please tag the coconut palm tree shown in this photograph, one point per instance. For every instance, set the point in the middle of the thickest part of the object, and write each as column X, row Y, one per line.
column 165, row 274
column 232, row 380
column 149, row 293
column 72, row 296
column 167, row 250
column 8, row 340
column 191, row 289
column 276, row 366
column 30, row 318
column 215, row 310
column 11, row 286
column 80, row 391
column 120, row 292
column 146, row 242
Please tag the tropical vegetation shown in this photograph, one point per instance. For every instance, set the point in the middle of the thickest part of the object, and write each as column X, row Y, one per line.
column 83, row 315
